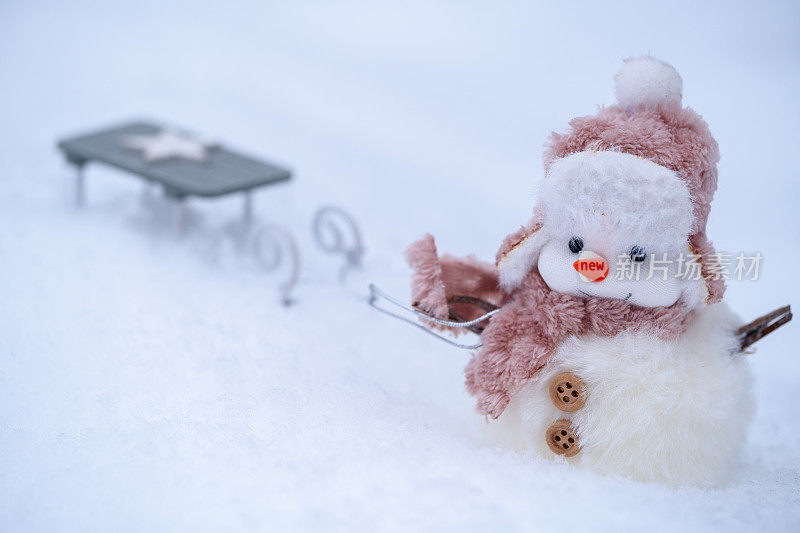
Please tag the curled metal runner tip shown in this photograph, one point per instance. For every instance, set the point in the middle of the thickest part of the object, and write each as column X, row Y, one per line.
column 375, row 294
column 336, row 232
column 274, row 246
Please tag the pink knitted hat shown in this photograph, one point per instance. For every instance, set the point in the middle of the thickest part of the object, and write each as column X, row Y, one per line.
column 648, row 122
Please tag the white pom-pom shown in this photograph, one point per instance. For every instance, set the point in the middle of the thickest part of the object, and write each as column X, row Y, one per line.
column 649, row 81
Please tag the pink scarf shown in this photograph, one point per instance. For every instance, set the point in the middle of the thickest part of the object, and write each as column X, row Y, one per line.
column 522, row 338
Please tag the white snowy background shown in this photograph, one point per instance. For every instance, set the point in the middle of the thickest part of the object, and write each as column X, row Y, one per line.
column 145, row 385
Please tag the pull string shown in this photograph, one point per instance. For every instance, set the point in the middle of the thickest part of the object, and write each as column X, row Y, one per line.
column 375, row 294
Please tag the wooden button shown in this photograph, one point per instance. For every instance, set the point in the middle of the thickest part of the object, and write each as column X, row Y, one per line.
column 567, row 392
column 561, row 438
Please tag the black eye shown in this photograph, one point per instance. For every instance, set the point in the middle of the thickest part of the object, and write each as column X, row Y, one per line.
column 637, row 254
column 575, row 245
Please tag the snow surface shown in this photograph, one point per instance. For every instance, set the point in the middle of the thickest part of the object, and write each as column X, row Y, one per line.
column 147, row 384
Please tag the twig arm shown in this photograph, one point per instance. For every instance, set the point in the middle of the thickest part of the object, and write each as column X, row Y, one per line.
column 764, row 325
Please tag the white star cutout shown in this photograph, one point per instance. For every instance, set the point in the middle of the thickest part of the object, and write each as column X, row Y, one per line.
column 166, row 145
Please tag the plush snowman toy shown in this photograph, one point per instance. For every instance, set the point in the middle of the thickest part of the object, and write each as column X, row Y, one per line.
column 611, row 349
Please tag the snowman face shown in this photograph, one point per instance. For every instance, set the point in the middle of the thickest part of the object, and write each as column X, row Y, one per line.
column 633, row 274
column 616, row 226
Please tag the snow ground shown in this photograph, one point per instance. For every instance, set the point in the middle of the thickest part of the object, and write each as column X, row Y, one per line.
column 145, row 387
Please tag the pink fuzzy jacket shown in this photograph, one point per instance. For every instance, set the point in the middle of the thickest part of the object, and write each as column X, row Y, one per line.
column 520, row 339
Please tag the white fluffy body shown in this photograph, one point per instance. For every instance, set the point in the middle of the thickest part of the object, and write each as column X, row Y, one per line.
column 647, row 81
column 674, row 412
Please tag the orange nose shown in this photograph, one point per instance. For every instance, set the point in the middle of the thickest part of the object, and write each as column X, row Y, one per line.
column 591, row 266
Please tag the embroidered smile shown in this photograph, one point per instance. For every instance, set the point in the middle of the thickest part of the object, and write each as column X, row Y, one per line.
column 595, row 296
